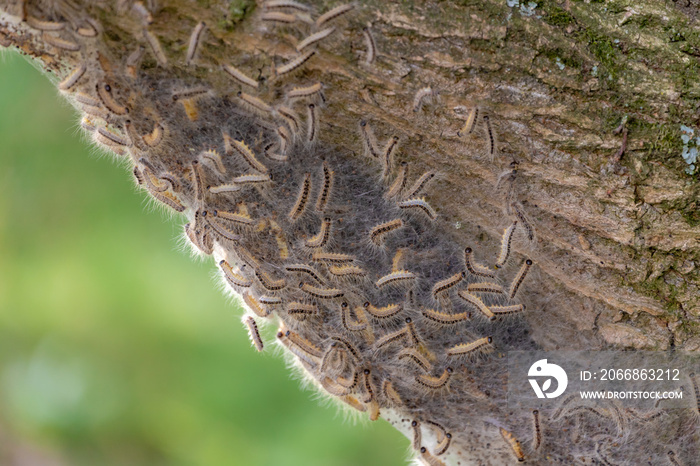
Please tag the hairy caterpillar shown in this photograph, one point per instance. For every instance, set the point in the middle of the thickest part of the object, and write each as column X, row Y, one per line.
column 358, row 199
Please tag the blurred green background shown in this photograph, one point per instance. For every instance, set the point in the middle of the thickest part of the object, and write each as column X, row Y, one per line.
column 116, row 347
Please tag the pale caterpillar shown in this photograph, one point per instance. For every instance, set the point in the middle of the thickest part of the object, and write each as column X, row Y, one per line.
column 299, row 190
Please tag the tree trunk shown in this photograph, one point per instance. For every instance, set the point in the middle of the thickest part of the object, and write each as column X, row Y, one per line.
column 580, row 111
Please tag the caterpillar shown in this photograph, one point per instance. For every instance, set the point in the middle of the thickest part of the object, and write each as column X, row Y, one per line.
column 378, row 233
column 415, row 356
column 278, row 17
column 239, row 76
column 311, row 123
column 314, row 38
column 519, row 278
column 323, row 235
column 469, row 123
column 469, row 348
column 435, row 383
column 444, row 285
column 281, row 178
column 72, row 78
column 371, row 52
column 253, row 332
column 306, row 92
column 423, row 95
column 514, row 444
column 156, row 49
column 294, row 64
column 334, row 13
column 537, row 431
column 506, row 241
column 193, row 44
column 417, row 434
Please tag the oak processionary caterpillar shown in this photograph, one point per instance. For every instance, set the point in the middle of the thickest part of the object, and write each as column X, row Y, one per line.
column 354, row 263
column 253, row 331
column 193, row 44
column 239, row 76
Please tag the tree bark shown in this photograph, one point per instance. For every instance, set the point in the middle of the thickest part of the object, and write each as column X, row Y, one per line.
column 587, row 102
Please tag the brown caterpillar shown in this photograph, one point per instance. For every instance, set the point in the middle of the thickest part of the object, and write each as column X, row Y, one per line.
column 417, row 435
column 537, row 432
column 394, row 278
column 485, row 287
column 239, row 76
column 244, row 151
column 278, row 17
column 390, row 310
column 104, row 91
column 213, row 157
column 311, row 123
column 489, row 132
column 322, row 237
column 444, row 285
column 399, row 183
column 334, row 13
column 470, row 122
column 42, row 25
column 477, row 303
column 302, row 198
column 388, row 155
column 696, row 391
column 253, row 332
column 347, row 271
column 419, row 204
column 369, row 140
column 424, row 94
column 156, row 49
column 295, row 63
column 254, row 104
column 107, row 137
column 390, row 394
column 330, row 257
column 299, row 191
column 60, row 43
column 444, row 318
column 435, row 383
column 413, row 355
column 268, row 283
column 392, row 337
column 506, row 310
column 290, row 117
column 514, row 445
column 377, row 234
column 463, row 349
column 348, row 323
column 306, row 269
column 420, row 184
column 306, row 92
column 254, row 305
column 321, row 293
column 73, row 77
column 429, row 459
column 193, row 44
column 506, row 245
column 371, row 52
column 314, row 38
column 301, row 310
column 284, row 5
column 519, row 278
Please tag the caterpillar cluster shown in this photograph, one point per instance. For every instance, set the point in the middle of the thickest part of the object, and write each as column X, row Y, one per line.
column 376, row 303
